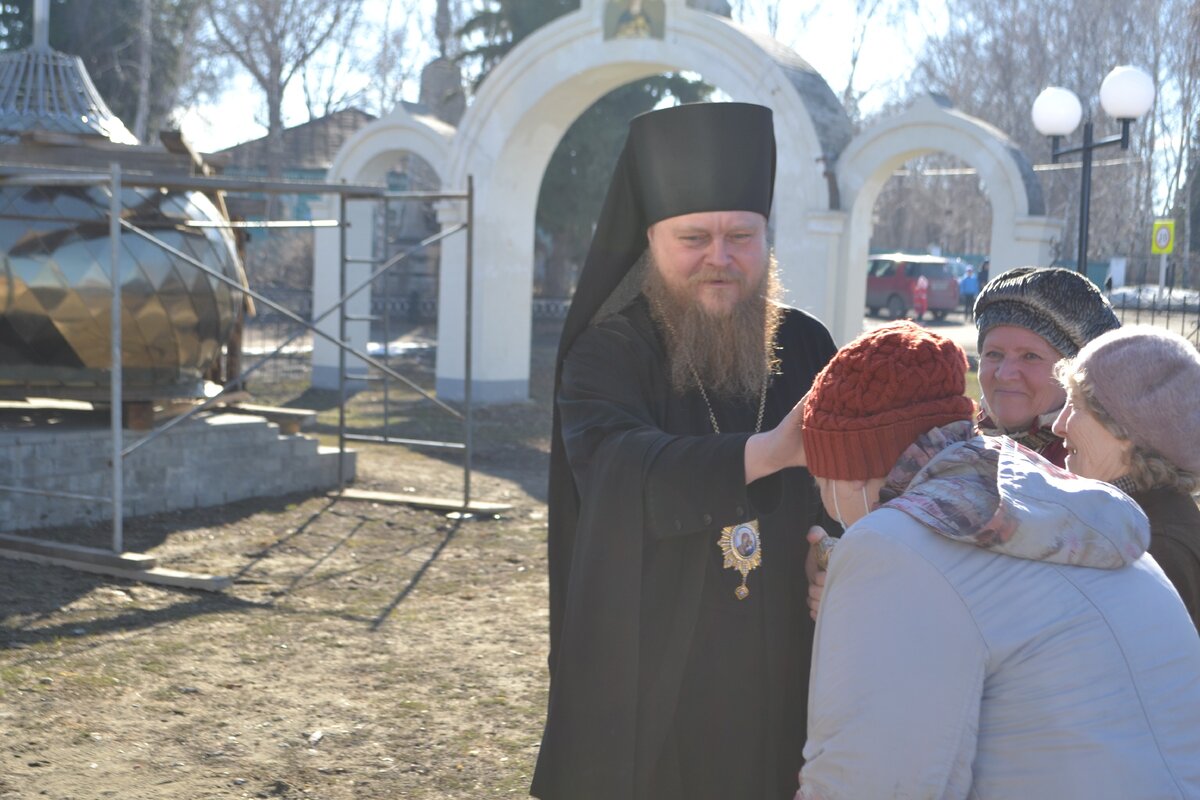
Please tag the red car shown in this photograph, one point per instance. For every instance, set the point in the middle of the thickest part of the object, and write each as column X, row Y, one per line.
column 892, row 277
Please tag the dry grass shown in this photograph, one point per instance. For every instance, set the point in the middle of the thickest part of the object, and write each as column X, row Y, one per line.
column 364, row 651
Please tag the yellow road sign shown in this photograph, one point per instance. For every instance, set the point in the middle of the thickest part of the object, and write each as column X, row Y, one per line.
column 1162, row 240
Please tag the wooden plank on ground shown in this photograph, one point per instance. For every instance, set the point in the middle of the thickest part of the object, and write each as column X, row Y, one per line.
column 435, row 503
column 91, row 555
column 289, row 420
column 157, row 575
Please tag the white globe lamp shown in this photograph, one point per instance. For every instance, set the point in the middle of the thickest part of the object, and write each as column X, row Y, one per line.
column 1056, row 111
column 1127, row 93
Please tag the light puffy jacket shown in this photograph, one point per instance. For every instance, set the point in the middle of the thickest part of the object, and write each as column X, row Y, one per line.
column 1020, row 646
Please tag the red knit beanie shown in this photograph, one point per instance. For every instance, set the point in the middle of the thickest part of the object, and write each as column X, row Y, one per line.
column 877, row 395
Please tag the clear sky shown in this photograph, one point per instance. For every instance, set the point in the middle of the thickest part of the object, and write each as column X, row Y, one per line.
column 822, row 35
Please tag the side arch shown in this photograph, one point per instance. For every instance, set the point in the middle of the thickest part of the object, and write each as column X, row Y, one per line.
column 364, row 158
column 522, row 111
column 1021, row 232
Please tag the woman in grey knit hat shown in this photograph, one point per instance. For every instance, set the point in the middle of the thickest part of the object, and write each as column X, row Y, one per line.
column 1131, row 418
column 1028, row 320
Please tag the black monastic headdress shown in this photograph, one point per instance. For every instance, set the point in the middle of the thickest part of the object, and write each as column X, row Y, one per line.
column 680, row 160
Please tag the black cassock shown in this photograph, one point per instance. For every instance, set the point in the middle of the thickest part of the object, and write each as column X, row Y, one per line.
column 662, row 683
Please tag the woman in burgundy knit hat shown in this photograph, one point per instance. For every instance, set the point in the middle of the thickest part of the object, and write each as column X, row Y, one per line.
column 989, row 626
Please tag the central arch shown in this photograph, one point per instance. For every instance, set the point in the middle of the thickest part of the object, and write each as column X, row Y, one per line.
column 1021, row 233
column 522, row 111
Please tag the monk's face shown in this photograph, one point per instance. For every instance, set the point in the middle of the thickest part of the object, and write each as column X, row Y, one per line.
column 715, row 258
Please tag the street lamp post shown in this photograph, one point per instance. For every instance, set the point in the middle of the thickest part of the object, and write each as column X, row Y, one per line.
column 1126, row 94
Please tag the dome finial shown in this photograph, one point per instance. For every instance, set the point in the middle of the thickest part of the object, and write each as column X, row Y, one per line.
column 41, row 24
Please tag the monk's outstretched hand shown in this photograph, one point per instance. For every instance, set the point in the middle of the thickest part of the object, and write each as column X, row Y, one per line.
column 780, row 447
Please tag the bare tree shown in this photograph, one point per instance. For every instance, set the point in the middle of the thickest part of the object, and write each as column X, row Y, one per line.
column 325, row 83
column 782, row 20
column 393, row 65
column 1179, row 120
column 390, row 56
column 869, row 15
column 200, row 74
column 272, row 40
column 133, row 50
column 996, row 57
column 145, row 38
column 766, row 10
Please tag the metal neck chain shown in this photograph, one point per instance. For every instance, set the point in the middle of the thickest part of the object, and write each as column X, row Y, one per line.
column 762, row 402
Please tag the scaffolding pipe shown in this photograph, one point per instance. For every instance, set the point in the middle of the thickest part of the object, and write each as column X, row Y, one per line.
column 467, row 426
column 387, row 322
column 282, row 223
column 135, row 178
column 118, row 472
column 341, row 478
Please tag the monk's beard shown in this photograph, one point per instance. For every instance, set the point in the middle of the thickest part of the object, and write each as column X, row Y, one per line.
column 733, row 353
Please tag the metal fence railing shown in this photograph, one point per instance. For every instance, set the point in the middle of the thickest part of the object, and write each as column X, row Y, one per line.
column 1177, row 310
column 263, row 333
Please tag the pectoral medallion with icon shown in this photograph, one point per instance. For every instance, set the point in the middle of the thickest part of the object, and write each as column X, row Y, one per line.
column 742, row 548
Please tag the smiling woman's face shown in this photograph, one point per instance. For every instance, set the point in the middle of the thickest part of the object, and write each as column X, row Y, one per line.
column 1092, row 449
column 1016, row 373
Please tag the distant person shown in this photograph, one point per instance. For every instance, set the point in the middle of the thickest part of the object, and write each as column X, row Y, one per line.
column 985, row 271
column 920, row 297
column 1028, row 320
column 990, row 626
column 968, row 290
column 1132, row 418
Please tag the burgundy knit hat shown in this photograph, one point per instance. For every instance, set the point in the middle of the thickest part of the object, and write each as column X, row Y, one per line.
column 877, row 395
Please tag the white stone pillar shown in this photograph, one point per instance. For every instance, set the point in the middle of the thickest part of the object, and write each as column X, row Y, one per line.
column 805, row 259
column 1032, row 244
column 838, row 288
column 502, row 309
column 327, row 286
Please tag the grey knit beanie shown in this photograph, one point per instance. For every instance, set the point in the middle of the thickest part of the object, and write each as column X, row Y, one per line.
column 1148, row 380
column 1061, row 306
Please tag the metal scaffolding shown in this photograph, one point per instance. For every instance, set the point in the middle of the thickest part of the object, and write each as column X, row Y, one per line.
column 119, row 562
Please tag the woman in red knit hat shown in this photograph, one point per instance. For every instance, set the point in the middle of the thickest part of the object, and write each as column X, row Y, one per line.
column 989, row 626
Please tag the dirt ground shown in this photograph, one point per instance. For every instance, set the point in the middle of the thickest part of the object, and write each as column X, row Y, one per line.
column 363, row 651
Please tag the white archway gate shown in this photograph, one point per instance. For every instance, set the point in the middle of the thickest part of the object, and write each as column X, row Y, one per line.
column 1021, row 233
column 523, row 110
column 826, row 182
